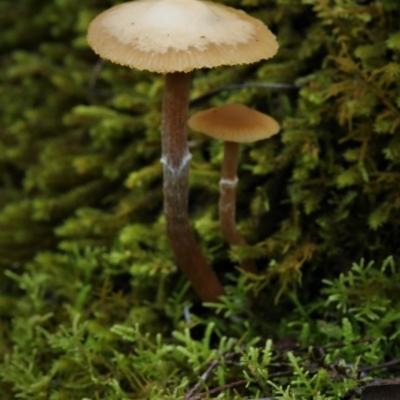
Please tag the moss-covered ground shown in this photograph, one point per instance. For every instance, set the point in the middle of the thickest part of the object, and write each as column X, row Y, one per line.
column 92, row 305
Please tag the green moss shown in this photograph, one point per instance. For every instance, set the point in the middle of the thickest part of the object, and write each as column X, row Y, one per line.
column 91, row 303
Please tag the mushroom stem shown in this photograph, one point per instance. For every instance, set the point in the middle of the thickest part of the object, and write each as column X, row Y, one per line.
column 175, row 159
column 227, row 201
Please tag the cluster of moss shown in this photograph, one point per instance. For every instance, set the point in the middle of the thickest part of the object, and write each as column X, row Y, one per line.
column 91, row 303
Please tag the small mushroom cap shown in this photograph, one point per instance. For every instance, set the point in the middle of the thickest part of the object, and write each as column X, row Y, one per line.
column 234, row 123
column 179, row 35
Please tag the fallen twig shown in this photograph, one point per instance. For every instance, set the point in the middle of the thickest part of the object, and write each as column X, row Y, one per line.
column 265, row 85
column 379, row 366
column 202, row 379
column 220, row 389
column 285, row 374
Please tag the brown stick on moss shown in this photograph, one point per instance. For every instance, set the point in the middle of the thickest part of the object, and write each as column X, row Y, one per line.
column 175, row 159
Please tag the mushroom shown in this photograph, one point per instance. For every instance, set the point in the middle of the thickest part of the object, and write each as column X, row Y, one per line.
column 233, row 123
column 174, row 37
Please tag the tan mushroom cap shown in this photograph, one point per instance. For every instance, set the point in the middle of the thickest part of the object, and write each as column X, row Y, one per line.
column 234, row 123
column 179, row 35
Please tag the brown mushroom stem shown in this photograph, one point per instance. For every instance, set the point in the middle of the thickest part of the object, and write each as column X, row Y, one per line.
column 227, row 201
column 175, row 159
